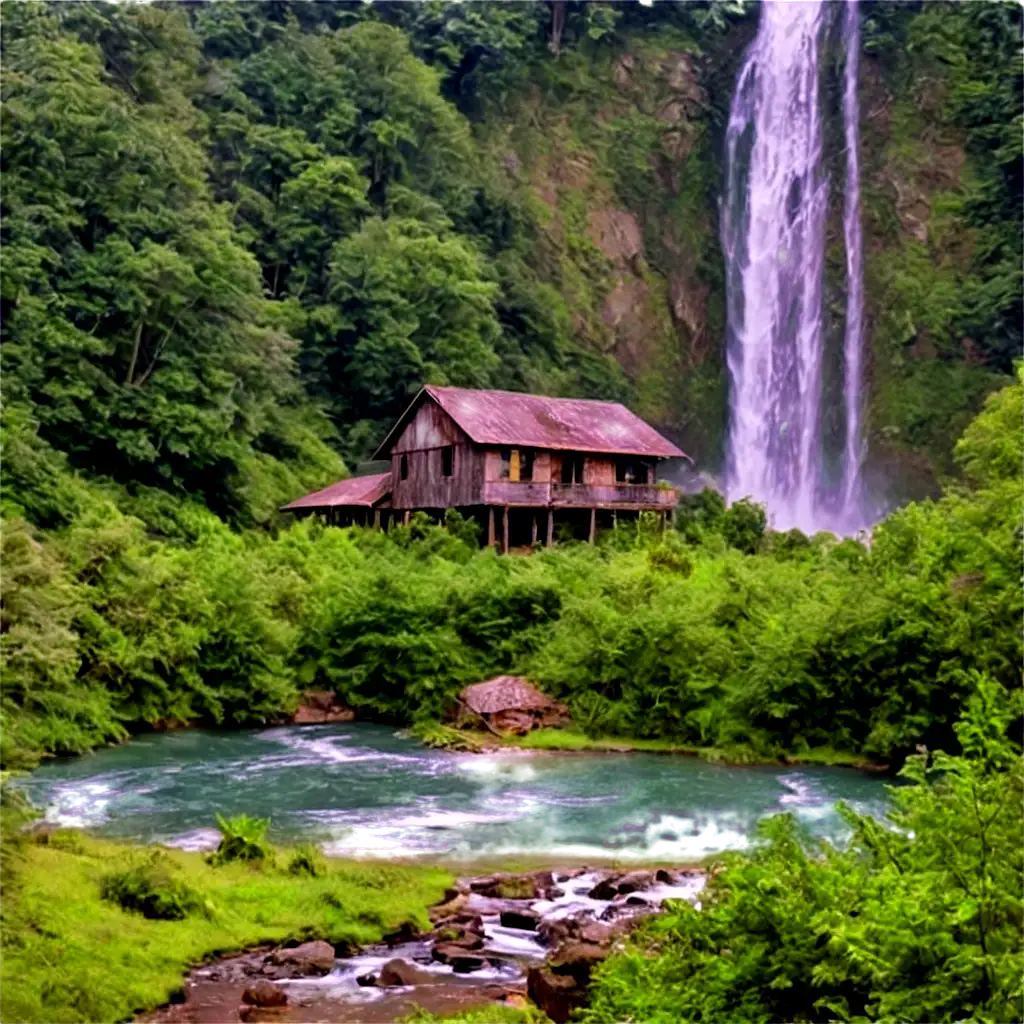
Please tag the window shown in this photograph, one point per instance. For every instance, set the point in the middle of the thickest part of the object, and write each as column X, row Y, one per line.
column 516, row 464
column 404, row 467
column 572, row 468
column 448, row 460
column 631, row 471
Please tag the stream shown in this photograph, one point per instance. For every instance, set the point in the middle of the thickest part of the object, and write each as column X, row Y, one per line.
column 364, row 790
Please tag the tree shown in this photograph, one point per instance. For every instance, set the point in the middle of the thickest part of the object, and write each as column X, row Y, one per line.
column 414, row 306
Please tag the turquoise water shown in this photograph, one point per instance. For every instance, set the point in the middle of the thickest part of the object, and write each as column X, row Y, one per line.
column 364, row 790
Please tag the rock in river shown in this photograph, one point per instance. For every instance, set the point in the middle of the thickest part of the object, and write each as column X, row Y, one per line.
column 458, row 958
column 397, row 973
column 308, row 959
column 265, row 993
column 525, row 920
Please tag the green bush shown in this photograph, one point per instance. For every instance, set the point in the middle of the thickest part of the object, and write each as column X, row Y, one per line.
column 307, row 860
column 242, row 838
column 149, row 887
column 916, row 921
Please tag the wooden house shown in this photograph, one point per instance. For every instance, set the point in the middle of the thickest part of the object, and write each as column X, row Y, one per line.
column 521, row 465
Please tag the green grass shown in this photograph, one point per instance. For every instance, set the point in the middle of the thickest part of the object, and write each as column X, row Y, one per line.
column 571, row 739
column 69, row 955
column 574, row 740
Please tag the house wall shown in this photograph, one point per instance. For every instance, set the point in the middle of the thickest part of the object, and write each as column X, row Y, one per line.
column 421, row 443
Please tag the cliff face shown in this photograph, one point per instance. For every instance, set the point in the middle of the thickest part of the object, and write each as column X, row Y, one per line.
column 618, row 172
column 618, row 159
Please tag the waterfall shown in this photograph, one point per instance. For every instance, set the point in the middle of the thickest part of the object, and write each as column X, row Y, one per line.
column 773, row 236
column 853, row 451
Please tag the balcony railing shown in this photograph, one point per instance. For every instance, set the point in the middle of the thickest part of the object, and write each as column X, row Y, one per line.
column 652, row 496
column 612, row 495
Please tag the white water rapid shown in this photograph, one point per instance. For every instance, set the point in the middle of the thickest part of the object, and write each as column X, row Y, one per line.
column 773, row 236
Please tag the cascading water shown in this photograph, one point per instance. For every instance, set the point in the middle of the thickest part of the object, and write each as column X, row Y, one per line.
column 773, row 235
column 850, row 509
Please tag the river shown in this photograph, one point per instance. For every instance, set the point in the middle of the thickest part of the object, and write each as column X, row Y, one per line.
column 364, row 790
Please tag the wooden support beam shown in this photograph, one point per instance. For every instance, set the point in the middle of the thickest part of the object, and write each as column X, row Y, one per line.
column 405, row 517
column 490, row 526
column 551, row 527
column 533, row 532
column 593, row 524
column 376, row 518
column 504, row 530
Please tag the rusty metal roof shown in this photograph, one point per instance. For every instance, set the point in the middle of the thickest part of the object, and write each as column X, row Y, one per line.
column 536, row 421
column 504, row 693
column 365, row 491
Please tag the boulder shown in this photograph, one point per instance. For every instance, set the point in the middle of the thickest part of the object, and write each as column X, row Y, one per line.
column 558, row 995
column 579, row 928
column 319, row 707
column 568, row 875
column 514, row 887
column 636, row 901
column 407, row 931
column 664, row 877
column 634, row 881
column 459, row 959
column 308, row 959
column 577, row 959
column 448, row 908
column 450, row 935
column 399, row 973
column 366, row 980
column 606, row 889
column 525, row 920
column 265, row 993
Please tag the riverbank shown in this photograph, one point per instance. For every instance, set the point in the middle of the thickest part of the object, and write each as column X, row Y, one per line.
column 570, row 740
column 71, row 955
column 265, row 936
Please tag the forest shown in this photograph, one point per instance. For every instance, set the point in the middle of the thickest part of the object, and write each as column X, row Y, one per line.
column 238, row 237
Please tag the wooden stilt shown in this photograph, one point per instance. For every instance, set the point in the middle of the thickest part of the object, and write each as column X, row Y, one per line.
column 593, row 524
column 490, row 526
column 405, row 517
column 551, row 527
column 504, row 530
column 376, row 518
column 533, row 532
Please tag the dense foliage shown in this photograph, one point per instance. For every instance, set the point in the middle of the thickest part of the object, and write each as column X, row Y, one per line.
column 917, row 920
column 718, row 634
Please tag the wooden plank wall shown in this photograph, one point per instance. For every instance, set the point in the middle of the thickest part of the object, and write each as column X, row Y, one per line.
column 422, row 441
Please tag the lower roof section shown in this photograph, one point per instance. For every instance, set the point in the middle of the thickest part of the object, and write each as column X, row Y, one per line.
column 364, row 491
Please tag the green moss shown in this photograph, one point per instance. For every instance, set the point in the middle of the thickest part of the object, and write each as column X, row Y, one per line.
column 70, row 955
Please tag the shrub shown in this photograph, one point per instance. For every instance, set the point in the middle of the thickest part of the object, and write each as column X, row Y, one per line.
column 670, row 558
column 242, row 838
column 148, row 887
column 307, row 860
column 920, row 922
column 743, row 525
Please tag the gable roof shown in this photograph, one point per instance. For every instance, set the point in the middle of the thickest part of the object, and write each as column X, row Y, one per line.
column 356, row 490
column 536, row 421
